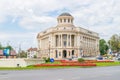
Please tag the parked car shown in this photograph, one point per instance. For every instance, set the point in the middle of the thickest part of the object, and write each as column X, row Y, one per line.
column 99, row 58
column 118, row 59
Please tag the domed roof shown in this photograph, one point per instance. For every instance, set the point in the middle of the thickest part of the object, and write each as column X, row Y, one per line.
column 65, row 14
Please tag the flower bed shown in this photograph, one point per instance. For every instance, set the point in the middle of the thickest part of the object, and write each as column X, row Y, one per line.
column 74, row 63
column 106, row 61
column 65, row 64
column 64, row 61
column 98, row 61
column 87, row 61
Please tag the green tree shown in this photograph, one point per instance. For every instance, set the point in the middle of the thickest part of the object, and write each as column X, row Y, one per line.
column 35, row 56
column 0, row 46
column 103, row 47
column 9, row 47
column 22, row 54
column 114, row 43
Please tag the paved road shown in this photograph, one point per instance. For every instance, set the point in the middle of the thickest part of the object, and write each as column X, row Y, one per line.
column 97, row 73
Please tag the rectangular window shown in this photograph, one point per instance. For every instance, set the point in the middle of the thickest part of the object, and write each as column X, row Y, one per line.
column 59, row 53
column 56, row 54
column 64, row 43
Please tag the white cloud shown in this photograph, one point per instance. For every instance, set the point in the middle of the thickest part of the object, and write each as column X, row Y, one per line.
column 26, row 40
column 102, row 16
column 4, row 36
column 36, row 21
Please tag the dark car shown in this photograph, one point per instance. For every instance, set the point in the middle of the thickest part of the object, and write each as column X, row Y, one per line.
column 99, row 58
column 118, row 58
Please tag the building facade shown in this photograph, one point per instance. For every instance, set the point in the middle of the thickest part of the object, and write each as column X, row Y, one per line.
column 32, row 53
column 67, row 41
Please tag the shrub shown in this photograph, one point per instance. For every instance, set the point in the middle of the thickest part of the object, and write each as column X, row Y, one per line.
column 35, row 56
column 46, row 59
column 81, row 60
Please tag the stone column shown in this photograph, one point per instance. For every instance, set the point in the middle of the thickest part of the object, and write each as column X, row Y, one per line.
column 61, row 53
column 67, row 54
column 70, row 40
column 62, row 20
column 39, row 43
column 67, row 40
column 54, row 40
column 75, row 40
column 61, row 41
column 70, row 53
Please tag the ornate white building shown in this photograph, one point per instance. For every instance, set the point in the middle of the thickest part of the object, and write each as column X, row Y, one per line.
column 66, row 40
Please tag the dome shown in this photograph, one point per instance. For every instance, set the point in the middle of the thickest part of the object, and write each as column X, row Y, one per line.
column 65, row 14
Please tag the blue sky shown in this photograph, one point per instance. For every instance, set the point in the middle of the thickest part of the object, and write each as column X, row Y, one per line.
column 21, row 20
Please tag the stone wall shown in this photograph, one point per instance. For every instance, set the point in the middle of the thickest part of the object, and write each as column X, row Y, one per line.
column 19, row 62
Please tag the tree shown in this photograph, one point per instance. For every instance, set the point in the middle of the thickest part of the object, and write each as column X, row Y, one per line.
column 22, row 54
column 114, row 43
column 103, row 47
column 9, row 47
column 1, row 47
column 35, row 56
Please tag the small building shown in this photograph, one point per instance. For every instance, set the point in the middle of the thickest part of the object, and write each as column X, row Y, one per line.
column 12, row 54
column 32, row 53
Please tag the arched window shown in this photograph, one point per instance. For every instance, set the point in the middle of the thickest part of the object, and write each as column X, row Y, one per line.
column 64, row 53
column 68, row 20
column 61, row 20
column 64, row 20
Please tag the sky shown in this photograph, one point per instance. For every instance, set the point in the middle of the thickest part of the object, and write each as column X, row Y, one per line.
column 22, row 20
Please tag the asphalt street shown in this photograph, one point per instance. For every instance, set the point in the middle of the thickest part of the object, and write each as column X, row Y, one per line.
column 96, row 73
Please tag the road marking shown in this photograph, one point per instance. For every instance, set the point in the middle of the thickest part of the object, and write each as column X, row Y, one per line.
column 60, row 79
column 75, row 78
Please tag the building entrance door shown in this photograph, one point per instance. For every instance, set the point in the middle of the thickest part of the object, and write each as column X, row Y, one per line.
column 64, row 53
column 72, row 53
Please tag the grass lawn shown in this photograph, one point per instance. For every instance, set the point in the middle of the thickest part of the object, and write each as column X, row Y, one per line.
column 33, row 68
column 108, row 64
column 59, row 67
